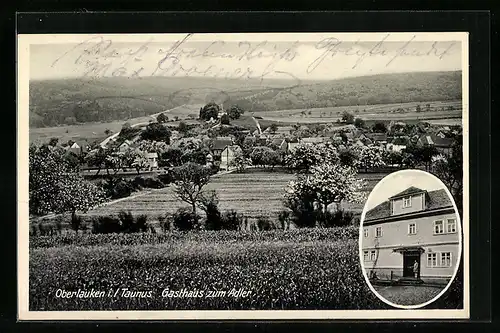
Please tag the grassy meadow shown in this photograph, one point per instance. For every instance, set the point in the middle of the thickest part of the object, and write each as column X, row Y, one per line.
column 253, row 193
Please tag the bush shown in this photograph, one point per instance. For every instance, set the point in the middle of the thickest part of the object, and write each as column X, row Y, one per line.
column 166, row 178
column 213, row 219
column 302, row 212
column 264, row 223
column 165, row 223
column 118, row 188
column 153, row 183
column 106, row 225
column 59, row 226
column 141, row 223
column 284, row 219
column 124, row 223
column 232, row 220
column 185, row 220
column 338, row 218
column 76, row 222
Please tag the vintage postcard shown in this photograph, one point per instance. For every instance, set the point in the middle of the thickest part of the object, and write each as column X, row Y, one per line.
column 243, row 176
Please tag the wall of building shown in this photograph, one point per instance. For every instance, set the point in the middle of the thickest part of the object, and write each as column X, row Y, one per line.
column 389, row 264
column 226, row 157
column 395, row 235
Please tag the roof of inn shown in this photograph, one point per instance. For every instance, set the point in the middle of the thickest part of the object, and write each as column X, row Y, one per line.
column 435, row 200
column 410, row 190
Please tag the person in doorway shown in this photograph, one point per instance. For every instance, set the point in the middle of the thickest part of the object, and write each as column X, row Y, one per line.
column 415, row 269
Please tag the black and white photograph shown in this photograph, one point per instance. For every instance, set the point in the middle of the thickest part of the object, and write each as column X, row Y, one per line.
column 410, row 240
column 243, row 176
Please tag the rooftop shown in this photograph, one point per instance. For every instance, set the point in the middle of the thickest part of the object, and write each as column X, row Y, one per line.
column 408, row 191
column 436, row 199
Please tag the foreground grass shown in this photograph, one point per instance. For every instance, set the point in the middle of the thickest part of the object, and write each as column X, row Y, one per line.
column 279, row 273
column 296, row 269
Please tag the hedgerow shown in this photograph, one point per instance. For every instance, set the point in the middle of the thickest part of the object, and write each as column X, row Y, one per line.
column 219, row 236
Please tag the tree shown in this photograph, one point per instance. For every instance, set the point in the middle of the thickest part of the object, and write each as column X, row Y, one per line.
column 239, row 161
column 158, row 147
column 418, row 108
column 359, row 123
column 140, row 160
column 209, row 204
column 189, row 180
column 72, row 160
column 348, row 157
column 172, row 157
column 53, row 142
column 327, row 183
column 224, row 120
column 183, row 128
column 96, row 158
column 427, row 107
column 306, row 155
column 156, row 132
column 108, row 132
column 379, row 127
column 421, row 155
column 162, row 118
column 55, row 187
column 273, row 128
column 370, row 157
column 235, row 112
column 347, row 117
column 393, row 158
column 450, row 170
column 211, row 110
column 271, row 158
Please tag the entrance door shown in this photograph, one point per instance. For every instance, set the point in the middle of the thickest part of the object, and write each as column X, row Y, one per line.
column 409, row 259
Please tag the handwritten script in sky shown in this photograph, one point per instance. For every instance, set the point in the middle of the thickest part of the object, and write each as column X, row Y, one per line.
column 328, row 58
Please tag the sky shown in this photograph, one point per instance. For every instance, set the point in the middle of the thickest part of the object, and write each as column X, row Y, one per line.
column 399, row 181
column 326, row 57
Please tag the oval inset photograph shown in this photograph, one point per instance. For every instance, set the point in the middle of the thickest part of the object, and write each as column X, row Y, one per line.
column 410, row 239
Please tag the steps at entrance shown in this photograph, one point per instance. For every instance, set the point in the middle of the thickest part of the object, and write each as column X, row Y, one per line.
column 409, row 281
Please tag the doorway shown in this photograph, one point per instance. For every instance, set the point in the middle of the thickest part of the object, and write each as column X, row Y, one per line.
column 409, row 259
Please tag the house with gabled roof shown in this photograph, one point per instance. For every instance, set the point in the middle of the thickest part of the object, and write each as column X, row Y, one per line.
column 220, row 143
column 125, row 145
column 443, row 145
column 227, row 157
column 412, row 236
column 398, row 143
column 280, row 144
column 78, row 148
column 314, row 140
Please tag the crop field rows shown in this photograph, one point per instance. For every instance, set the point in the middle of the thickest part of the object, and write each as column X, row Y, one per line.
column 435, row 106
column 253, row 194
column 282, row 270
column 367, row 112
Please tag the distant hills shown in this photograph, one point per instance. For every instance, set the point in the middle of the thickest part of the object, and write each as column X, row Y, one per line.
column 73, row 101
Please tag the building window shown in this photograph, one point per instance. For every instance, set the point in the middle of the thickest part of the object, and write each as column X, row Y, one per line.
column 438, row 227
column 451, row 226
column 445, row 259
column 373, row 255
column 406, row 202
column 365, row 232
column 431, row 259
column 378, row 232
column 412, row 229
column 365, row 256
